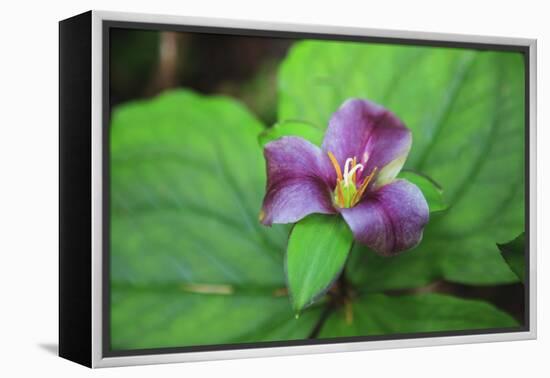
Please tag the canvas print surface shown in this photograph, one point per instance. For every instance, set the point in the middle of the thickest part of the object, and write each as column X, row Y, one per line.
column 270, row 191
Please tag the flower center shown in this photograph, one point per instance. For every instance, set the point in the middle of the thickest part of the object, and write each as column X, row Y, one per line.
column 349, row 187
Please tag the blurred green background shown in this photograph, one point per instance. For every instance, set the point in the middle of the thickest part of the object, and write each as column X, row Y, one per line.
column 190, row 263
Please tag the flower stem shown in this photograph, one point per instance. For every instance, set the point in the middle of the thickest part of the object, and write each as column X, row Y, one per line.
column 341, row 295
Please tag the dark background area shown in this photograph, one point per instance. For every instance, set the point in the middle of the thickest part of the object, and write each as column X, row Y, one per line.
column 145, row 63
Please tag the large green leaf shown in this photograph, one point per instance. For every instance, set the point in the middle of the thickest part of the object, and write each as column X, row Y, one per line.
column 374, row 273
column 514, row 254
column 161, row 317
column 294, row 128
column 190, row 263
column 379, row 314
column 466, row 111
column 317, row 251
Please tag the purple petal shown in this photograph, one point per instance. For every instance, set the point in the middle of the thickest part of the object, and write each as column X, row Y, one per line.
column 299, row 181
column 360, row 127
column 391, row 219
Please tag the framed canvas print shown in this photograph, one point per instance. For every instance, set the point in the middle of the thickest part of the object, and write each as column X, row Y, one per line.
column 236, row 189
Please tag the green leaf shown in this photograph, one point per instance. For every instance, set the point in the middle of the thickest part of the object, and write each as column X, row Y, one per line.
column 514, row 254
column 154, row 318
column 431, row 190
column 379, row 314
column 190, row 263
column 294, row 128
column 317, row 251
column 374, row 273
column 465, row 109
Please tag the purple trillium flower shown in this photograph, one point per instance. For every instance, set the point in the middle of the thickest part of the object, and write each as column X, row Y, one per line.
column 353, row 174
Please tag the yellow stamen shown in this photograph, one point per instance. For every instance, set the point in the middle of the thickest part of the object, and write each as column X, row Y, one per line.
column 363, row 187
column 336, row 165
column 340, row 194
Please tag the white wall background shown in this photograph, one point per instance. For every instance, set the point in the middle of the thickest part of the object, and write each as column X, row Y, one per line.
column 28, row 185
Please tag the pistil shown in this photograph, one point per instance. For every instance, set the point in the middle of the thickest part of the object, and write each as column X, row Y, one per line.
column 347, row 193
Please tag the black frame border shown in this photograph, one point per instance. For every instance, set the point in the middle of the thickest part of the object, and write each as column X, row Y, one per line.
column 75, row 194
column 107, row 25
